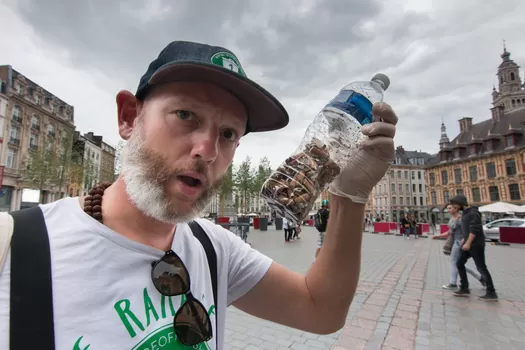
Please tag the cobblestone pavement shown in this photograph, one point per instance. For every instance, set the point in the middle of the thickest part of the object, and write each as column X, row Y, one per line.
column 399, row 303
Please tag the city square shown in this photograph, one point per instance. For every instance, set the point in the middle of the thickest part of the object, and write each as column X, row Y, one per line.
column 400, row 303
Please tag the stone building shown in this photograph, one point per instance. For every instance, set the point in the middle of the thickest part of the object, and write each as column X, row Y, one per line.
column 403, row 188
column 31, row 118
column 485, row 162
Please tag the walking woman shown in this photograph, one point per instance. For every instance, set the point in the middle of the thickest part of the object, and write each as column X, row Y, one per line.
column 454, row 229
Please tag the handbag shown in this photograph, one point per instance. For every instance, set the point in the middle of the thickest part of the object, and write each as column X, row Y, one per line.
column 447, row 248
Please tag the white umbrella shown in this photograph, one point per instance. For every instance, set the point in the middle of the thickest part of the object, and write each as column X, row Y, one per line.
column 501, row 207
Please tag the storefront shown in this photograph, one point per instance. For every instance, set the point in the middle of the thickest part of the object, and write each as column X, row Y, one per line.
column 6, row 194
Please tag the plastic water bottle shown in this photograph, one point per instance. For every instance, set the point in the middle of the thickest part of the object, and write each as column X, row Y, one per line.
column 328, row 145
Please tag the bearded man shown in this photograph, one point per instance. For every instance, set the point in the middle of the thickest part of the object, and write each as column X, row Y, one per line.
column 127, row 265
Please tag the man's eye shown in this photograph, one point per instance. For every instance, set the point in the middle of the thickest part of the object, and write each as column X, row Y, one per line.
column 185, row 115
column 229, row 134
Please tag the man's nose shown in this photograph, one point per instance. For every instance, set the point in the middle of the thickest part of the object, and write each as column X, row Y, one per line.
column 206, row 146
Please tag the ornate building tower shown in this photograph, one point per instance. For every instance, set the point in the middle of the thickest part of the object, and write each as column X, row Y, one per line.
column 443, row 141
column 511, row 94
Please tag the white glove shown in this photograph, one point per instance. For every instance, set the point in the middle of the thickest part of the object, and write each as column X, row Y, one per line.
column 373, row 159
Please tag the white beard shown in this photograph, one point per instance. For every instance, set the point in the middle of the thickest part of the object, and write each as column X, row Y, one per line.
column 145, row 190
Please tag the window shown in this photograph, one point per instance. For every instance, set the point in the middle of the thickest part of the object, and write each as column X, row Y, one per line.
column 510, row 165
column 494, row 193
column 491, row 170
column 420, row 188
column 413, row 187
column 415, row 200
column 457, row 153
column 16, row 112
column 460, row 191
column 392, row 174
column 512, row 76
column 472, row 149
column 488, row 146
column 406, row 174
column 432, row 179
column 444, row 177
column 407, row 188
column 514, row 190
column 400, row 186
column 394, row 199
column 419, row 175
column 413, row 175
column 51, row 130
column 399, row 174
column 10, row 162
column 457, row 175
column 14, row 133
column 509, row 140
column 408, row 201
column 473, row 170
column 33, row 141
column 35, row 122
column 433, row 198
column 476, row 197
column 446, row 196
column 421, row 201
column 37, row 99
column 393, row 188
column 400, row 200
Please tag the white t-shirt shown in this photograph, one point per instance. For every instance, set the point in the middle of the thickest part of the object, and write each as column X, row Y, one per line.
column 102, row 290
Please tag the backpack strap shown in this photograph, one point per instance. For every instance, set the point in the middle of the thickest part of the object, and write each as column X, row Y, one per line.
column 199, row 233
column 31, row 309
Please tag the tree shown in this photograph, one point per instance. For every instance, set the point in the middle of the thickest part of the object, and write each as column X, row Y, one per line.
column 226, row 189
column 66, row 158
column 41, row 169
column 243, row 181
column 263, row 172
column 118, row 157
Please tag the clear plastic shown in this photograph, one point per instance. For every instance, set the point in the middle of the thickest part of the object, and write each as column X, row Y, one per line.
column 328, row 145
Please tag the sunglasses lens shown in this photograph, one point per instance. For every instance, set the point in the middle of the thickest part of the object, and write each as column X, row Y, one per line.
column 170, row 276
column 192, row 323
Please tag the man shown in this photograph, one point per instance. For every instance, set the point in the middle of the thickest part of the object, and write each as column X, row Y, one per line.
column 472, row 246
column 183, row 126
column 405, row 223
column 321, row 223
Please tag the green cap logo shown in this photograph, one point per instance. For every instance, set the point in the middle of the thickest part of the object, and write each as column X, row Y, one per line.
column 228, row 61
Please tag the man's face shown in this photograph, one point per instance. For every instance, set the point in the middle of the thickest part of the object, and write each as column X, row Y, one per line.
column 181, row 145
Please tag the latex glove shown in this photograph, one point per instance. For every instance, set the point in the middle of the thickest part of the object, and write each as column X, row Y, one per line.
column 372, row 160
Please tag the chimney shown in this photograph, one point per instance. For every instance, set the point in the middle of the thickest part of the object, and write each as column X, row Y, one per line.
column 497, row 113
column 465, row 124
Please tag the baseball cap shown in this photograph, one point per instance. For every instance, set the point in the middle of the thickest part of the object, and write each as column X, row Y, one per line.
column 459, row 200
column 191, row 61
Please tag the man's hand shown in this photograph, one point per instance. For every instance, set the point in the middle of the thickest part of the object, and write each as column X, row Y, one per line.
column 465, row 247
column 372, row 160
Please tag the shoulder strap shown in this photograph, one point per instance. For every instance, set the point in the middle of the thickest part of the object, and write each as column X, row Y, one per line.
column 199, row 233
column 31, row 313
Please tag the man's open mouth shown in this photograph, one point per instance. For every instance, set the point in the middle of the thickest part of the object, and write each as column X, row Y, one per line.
column 190, row 181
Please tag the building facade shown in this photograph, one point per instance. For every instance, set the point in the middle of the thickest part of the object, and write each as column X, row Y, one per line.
column 403, row 188
column 33, row 118
column 486, row 161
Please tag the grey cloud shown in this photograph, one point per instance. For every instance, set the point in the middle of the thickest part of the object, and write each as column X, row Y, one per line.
column 442, row 63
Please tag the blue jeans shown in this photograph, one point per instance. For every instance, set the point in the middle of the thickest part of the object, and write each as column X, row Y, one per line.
column 454, row 256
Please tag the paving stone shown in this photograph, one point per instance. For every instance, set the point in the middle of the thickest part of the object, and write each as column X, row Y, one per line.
column 399, row 303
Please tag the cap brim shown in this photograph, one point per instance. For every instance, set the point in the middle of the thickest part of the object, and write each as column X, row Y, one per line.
column 265, row 113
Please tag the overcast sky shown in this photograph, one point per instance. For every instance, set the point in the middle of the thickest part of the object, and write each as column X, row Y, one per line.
column 441, row 56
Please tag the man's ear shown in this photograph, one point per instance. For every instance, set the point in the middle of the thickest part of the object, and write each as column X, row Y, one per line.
column 127, row 112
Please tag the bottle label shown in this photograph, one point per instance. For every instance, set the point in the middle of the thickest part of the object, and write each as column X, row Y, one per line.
column 355, row 104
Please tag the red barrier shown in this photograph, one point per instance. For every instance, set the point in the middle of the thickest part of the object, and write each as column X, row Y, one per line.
column 310, row 222
column 425, row 228
column 382, row 227
column 512, row 235
column 223, row 220
column 256, row 223
column 392, row 226
column 443, row 228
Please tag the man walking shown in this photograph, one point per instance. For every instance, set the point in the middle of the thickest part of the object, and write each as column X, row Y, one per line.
column 472, row 246
column 321, row 221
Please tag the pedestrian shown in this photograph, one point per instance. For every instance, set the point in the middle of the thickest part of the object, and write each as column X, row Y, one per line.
column 287, row 230
column 133, row 265
column 297, row 230
column 321, row 223
column 455, row 230
column 405, row 223
column 413, row 225
column 291, row 230
column 472, row 246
